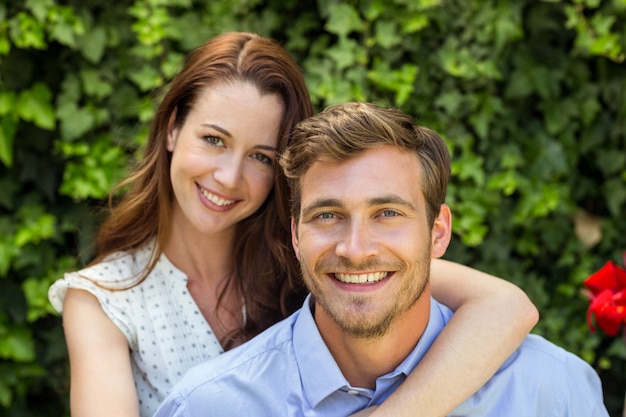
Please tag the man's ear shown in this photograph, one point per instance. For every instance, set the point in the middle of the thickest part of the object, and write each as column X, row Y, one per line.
column 442, row 232
column 172, row 132
column 294, row 237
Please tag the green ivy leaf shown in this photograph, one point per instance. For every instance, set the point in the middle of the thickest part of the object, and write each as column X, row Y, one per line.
column 35, row 105
column 387, row 34
column 93, row 170
column 7, row 135
column 94, row 85
column 92, row 44
column 36, row 293
column 35, row 225
column 39, row 8
column 17, row 345
column 146, row 78
column 343, row 19
column 615, row 192
column 26, row 32
column 75, row 122
column 8, row 249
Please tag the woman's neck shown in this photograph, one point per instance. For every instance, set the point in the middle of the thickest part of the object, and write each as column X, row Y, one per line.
column 204, row 257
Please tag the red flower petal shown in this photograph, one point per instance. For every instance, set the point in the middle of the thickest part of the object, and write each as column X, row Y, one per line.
column 609, row 315
column 609, row 277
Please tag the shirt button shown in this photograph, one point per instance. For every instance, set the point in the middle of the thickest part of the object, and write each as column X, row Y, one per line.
column 353, row 392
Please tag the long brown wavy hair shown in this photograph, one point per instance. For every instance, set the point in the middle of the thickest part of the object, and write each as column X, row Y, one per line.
column 264, row 269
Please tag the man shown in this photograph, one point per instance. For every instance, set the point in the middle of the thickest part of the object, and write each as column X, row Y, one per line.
column 368, row 213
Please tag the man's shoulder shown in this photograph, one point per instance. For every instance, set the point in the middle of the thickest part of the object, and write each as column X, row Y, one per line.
column 540, row 379
column 537, row 354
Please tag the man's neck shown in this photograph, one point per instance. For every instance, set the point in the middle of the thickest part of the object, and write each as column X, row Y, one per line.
column 363, row 360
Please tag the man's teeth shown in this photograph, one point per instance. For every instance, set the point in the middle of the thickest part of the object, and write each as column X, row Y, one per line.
column 361, row 278
column 216, row 200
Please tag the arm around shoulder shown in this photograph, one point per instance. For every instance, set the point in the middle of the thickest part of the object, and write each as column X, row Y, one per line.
column 492, row 317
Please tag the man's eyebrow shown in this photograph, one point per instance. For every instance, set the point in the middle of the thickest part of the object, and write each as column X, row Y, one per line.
column 319, row 203
column 391, row 199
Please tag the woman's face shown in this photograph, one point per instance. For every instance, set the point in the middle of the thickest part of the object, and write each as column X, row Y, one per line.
column 223, row 156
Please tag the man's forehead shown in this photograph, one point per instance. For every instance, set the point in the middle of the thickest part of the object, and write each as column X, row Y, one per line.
column 377, row 176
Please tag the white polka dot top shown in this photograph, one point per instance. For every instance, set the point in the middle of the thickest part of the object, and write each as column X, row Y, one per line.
column 165, row 330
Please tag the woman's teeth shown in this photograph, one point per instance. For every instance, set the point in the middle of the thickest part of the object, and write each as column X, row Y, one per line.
column 215, row 199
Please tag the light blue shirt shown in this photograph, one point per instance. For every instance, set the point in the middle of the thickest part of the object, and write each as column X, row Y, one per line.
column 289, row 371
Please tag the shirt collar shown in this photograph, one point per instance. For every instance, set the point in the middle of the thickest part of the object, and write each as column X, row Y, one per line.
column 320, row 374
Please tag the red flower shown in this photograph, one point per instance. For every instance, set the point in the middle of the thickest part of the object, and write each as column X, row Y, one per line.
column 608, row 298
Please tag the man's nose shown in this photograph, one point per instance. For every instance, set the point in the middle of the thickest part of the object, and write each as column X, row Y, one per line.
column 358, row 243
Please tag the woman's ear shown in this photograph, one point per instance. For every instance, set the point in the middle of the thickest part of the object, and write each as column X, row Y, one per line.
column 172, row 132
column 441, row 232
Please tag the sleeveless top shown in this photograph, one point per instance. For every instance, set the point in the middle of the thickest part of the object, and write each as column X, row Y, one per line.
column 164, row 327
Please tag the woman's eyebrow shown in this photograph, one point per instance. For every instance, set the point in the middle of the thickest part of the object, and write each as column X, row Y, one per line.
column 227, row 133
column 267, row 148
column 219, row 129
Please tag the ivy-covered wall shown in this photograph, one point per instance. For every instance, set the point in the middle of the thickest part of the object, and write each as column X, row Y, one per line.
column 530, row 96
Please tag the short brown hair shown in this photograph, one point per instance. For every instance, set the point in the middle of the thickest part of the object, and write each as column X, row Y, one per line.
column 343, row 131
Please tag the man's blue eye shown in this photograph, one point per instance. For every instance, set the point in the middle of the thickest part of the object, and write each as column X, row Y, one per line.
column 390, row 213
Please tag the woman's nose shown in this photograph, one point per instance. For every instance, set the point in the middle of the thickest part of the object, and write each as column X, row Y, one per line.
column 230, row 171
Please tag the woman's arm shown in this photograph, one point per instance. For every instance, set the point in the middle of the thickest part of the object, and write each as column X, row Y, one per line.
column 491, row 319
column 101, row 375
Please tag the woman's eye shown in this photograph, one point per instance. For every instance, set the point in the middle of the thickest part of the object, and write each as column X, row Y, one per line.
column 214, row 140
column 261, row 157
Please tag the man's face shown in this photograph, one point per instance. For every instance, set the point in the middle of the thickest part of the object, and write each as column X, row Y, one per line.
column 363, row 240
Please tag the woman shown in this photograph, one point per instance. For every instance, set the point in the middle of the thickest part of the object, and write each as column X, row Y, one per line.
column 196, row 257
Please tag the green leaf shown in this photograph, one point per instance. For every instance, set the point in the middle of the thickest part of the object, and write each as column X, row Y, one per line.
column 94, row 85
column 558, row 115
column 17, row 345
column 387, row 34
column 39, row 8
column 345, row 54
column 415, row 23
column 75, row 122
column 343, row 19
column 93, row 171
column 7, row 102
column 8, row 249
column 35, row 225
column 36, row 293
column 93, row 44
column 35, row 105
column 26, row 32
column 7, row 135
column 146, row 77
column 615, row 191
column 611, row 162
column 6, row 395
